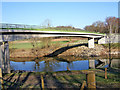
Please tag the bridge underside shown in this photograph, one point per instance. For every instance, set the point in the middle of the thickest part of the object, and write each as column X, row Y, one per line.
column 6, row 38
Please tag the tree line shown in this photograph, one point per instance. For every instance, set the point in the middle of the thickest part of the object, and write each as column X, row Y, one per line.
column 70, row 28
column 110, row 25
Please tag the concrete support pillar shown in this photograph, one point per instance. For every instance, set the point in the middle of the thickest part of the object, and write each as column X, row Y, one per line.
column 4, row 57
column 92, row 64
column 91, row 42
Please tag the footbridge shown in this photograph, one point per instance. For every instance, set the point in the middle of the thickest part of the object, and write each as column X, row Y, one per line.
column 7, row 35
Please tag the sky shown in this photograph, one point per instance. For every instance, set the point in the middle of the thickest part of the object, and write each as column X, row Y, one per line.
column 76, row 14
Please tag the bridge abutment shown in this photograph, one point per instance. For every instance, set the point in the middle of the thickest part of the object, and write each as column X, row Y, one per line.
column 102, row 40
column 4, row 57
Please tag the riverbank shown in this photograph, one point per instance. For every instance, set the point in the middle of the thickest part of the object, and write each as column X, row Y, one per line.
column 61, row 79
column 82, row 51
column 60, row 47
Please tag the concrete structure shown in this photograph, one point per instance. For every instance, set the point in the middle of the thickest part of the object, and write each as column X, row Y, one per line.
column 4, row 57
column 91, row 42
column 112, row 38
column 11, row 35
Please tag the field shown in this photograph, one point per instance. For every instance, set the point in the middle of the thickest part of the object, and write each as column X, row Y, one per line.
column 28, row 44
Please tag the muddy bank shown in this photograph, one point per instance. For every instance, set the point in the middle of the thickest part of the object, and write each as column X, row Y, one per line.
column 77, row 51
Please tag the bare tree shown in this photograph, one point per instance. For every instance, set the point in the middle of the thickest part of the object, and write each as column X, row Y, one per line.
column 46, row 42
column 112, row 24
column 46, row 23
column 35, row 49
column 99, row 26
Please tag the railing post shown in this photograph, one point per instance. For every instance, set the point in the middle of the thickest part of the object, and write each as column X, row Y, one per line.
column 91, row 83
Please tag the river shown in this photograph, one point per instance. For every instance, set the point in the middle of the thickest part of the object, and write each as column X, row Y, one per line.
column 57, row 64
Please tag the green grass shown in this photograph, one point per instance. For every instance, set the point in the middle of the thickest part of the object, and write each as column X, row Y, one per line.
column 69, row 30
column 62, row 42
column 22, row 45
column 111, row 81
column 29, row 45
column 79, row 78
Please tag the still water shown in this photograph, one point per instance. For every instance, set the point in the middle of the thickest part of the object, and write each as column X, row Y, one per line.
column 55, row 65
column 50, row 66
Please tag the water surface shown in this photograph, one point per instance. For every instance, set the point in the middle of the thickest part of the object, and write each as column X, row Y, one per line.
column 52, row 65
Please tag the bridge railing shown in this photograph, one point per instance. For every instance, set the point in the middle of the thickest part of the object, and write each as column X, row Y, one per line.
column 18, row 26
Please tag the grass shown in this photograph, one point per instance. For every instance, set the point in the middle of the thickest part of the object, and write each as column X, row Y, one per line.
column 28, row 45
column 112, row 80
column 73, row 78
column 61, row 42
column 80, row 31
column 21, row 45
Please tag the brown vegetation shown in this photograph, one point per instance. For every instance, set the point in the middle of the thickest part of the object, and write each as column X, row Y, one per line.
column 110, row 25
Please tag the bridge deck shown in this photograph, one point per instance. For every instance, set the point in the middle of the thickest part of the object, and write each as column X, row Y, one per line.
column 51, row 33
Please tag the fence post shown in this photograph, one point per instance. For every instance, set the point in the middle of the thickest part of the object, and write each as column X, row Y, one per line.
column 83, row 85
column 91, row 83
column 42, row 82
column 1, row 81
column 105, row 73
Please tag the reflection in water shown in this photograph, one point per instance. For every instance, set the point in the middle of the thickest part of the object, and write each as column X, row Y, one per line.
column 53, row 64
column 50, row 66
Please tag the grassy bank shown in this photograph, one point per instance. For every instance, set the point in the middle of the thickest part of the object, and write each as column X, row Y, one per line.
column 61, row 79
column 29, row 45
